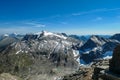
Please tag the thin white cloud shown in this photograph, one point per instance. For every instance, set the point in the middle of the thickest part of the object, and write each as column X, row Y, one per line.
column 24, row 24
column 21, row 27
column 12, row 29
column 35, row 24
column 94, row 11
column 98, row 19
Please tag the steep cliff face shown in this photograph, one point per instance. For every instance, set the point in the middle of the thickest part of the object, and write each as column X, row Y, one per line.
column 115, row 61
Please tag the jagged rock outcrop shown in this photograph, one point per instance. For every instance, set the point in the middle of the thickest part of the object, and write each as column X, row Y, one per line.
column 115, row 61
column 82, row 74
column 110, row 71
column 110, row 45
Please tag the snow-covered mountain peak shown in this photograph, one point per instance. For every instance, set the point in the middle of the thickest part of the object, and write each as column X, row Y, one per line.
column 45, row 34
column 5, row 35
column 13, row 34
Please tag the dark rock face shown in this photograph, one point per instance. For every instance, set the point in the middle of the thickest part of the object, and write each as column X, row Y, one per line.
column 94, row 41
column 116, row 37
column 109, row 46
column 29, row 37
column 88, row 58
column 97, row 47
column 115, row 61
column 92, row 49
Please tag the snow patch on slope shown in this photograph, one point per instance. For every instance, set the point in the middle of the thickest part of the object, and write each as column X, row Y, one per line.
column 87, row 51
column 18, row 51
column 5, row 35
column 45, row 33
column 76, row 53
column 96, row 40
column 107, row 55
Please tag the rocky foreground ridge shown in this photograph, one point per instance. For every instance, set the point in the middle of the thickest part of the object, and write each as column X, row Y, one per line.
column 107, row 69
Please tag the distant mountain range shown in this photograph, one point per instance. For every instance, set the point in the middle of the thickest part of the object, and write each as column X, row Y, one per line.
column 97, row 47
column 54, row 49
column 89, row 47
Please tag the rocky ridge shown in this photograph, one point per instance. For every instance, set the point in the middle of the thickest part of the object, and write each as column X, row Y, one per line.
column 45, row 53
column 39, row 54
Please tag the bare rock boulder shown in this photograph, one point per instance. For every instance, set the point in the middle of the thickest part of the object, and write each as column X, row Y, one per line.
column 115, row 61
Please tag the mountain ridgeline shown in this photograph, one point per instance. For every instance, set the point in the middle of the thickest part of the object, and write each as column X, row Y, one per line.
column 40, row 53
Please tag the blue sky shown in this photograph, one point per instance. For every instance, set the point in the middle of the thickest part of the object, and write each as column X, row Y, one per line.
column 69, row 16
